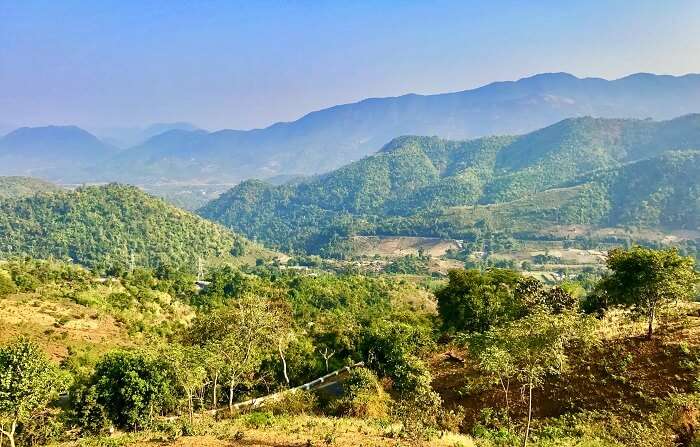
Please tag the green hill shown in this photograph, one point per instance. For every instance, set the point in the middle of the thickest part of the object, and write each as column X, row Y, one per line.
column 660, row 192
column 105, row 227
column 15, row 187
column 581, row 170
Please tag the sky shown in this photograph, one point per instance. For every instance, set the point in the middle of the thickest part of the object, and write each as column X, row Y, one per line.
column 247, row 64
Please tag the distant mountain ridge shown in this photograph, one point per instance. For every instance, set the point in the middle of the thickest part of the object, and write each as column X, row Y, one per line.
column 179, row 153
column 326, row 139
column 567, row 173
column 126, row 137
column 50, row 151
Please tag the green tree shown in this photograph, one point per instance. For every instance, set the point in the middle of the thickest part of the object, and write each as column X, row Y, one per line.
column 187, row 364
column 476, row 301
column 646, row 280
column 132, row 387
column 530, row 349
column 242, row 334
column 28, row 381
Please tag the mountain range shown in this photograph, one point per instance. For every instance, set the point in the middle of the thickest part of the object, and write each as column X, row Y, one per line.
column 126, row 137
column 327, row 139
column 591, row 171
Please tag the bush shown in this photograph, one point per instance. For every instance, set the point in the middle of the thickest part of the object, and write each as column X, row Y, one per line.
column 363, row 396
column 294, row 403
column 259, row 419
column 393, row 350
column 88, row 412
column 25, row 282
column 474, row 301
column 7, row 285
column 419, row 413
column 131, row 387
column 44, row 428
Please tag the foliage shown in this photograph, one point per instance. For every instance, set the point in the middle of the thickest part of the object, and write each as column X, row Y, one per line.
column 7, row 285
column 408, row 265
column 580, row 171
column 130, row 388
column 16, row 187
column 363, row 396
column 298, row 402
column 28, row 381
column 530, row 349
column 109, row 227
column 646, row 280
column 242, row 335
column 394, row 350
column 474, row 301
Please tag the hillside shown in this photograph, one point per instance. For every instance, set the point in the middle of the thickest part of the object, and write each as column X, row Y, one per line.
column 15, row 187
column 111, row 227
column 48, row 151
column 327, row 139
column 578, row 171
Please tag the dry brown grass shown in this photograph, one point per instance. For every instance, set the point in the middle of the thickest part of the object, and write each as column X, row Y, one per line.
column 58, row 323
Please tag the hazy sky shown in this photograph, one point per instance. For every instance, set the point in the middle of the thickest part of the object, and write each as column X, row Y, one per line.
column 248, row 64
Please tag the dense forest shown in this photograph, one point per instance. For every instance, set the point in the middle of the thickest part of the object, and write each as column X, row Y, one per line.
column 578, row 171
column 113, row 227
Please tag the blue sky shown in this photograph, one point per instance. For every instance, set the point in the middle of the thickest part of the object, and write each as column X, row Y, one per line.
column 242, row 64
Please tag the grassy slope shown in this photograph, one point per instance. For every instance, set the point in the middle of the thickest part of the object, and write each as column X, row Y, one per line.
column 625, row 375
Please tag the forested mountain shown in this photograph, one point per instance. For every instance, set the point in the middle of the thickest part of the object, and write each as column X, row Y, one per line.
column 580, row 170
column 16, row 187
column 112, row 226
column 49, row 151
column 329, row 138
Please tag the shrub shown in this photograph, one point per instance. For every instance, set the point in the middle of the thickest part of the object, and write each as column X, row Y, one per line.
column 293, row 403
column 7, row 285
column 44, row 428
column 475, row 301
column 131, row 387
column 363, row 396
column 419, row 413
column 259, row 419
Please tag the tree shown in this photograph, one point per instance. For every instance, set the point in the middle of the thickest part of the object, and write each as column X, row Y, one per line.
column 242, row 334
column 28, row 381
column 132, row 386
column 530, row 349
column 187, row 365
column 475, row 301
column 646, row 280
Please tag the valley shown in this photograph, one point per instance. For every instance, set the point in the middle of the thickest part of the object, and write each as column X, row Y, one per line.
column 380, row 223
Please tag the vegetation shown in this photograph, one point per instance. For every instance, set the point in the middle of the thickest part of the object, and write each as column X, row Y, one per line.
column 28, row 381
column 647, row 280
column 253, row 331
column 599, row 172
column 112, row 228
column 15, row 187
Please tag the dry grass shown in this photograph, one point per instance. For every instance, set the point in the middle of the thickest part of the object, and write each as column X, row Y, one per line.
column 57, row 324
column 289, row 431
